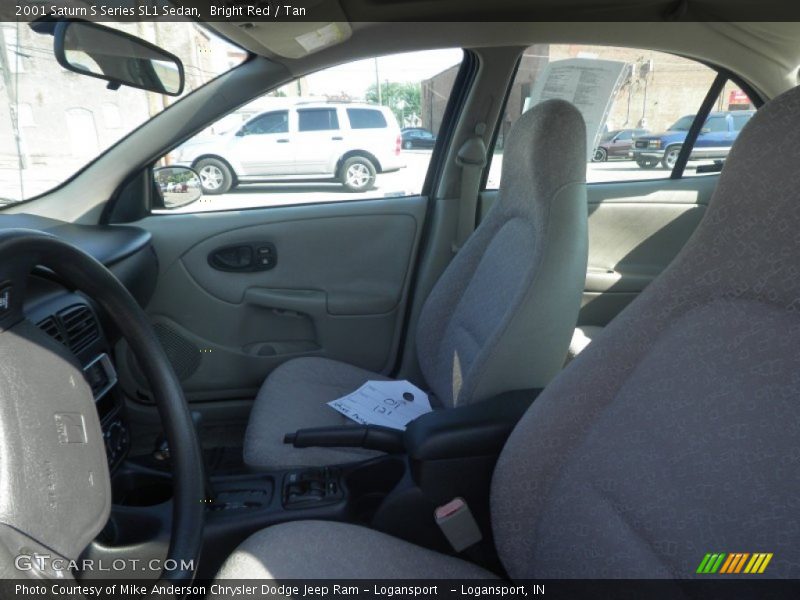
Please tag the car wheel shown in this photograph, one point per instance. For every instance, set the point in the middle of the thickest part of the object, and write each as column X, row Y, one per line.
column 215, row 176
column 407, row 145
column 647, row 163
column 358, row 174
column 600, row 155
column 671, row 157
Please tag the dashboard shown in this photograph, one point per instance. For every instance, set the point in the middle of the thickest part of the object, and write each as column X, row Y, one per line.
column 76, row 322
column 71, row 320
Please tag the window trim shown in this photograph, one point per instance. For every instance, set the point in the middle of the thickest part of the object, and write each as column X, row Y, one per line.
column 496, row 131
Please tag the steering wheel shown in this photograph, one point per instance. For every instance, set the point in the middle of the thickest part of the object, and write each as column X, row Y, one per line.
column 55, row 487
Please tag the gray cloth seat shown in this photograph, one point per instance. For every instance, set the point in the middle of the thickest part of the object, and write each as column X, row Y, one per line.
column 294, row 396
column 472, row 343
column 370, row 555
column 677, row 432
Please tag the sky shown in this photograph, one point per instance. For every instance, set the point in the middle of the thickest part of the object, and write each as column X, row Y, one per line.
column 354, row 78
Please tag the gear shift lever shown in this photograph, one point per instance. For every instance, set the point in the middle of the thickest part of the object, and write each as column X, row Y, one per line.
column 161, row 452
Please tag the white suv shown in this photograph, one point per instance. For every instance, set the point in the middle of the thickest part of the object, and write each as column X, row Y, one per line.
column 345, row 142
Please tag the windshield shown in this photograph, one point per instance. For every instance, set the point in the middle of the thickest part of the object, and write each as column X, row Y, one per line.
column 54, row 122
column 682, row 124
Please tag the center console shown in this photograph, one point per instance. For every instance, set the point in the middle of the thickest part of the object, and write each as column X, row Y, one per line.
column 141, row 515
column 445, row 455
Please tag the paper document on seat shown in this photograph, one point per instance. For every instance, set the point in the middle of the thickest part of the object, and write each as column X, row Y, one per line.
column 387, row 403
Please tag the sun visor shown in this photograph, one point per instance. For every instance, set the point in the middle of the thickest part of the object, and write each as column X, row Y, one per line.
column 296, row 39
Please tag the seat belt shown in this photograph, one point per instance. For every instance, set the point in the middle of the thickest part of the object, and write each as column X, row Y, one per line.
column 472, row 159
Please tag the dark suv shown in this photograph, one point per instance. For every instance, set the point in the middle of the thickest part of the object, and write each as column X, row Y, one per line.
column 715, row 139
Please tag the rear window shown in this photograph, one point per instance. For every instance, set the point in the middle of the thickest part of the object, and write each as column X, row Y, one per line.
column 317, row 119
column 365, row 118
column 740, row 121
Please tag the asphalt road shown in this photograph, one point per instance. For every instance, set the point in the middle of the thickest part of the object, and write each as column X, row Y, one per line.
column 407, row 181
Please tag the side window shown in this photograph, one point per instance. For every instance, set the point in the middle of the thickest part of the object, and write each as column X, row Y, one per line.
column 365, row 118
column 274, row 122
column 317, row 119
column 344, row 136
column 716, row 124
column 639, row 106
column 741, row 120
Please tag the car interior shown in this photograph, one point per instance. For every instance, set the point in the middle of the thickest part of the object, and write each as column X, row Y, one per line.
column 612, row 365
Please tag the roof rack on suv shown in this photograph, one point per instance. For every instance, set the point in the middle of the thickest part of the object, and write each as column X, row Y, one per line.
column 303, row 102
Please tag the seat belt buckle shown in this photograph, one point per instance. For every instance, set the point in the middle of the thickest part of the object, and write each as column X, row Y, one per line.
column 457, row 524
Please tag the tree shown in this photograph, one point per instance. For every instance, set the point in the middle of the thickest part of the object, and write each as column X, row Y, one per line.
column 402, row 98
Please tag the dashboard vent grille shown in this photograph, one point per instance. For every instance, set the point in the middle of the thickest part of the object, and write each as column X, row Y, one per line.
column 80, row 327
column 50, row 327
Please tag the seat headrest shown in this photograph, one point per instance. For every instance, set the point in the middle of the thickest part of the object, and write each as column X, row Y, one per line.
column 545, row 149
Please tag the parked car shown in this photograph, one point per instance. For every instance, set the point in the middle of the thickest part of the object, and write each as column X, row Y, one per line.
column 346, row 142
column 616, row 144
column 714, row 141
column 417, row 137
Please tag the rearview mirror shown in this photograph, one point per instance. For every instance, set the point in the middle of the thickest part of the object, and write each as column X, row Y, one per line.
column 117, row 57
column 179, row 186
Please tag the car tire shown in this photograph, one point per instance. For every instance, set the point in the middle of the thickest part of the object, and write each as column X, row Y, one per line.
column 600, row 155
column 357, row 174
column 670, row 157
column 647, row 163
column 407, row 145
column 215, row 176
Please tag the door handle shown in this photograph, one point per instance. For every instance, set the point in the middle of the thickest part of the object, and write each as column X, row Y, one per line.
column 283, row 141
column 337, row 138
column 244, row 258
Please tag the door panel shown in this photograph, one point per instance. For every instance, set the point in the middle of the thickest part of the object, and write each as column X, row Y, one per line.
column 635, row 230
column 263, row 145
column 338, row 289
column 317, row 139
column 265, row 154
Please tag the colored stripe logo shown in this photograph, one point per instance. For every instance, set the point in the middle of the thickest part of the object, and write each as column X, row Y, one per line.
column 734, row 563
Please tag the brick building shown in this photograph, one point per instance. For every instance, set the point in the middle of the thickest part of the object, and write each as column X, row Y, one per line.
column 58, row 130
column 659, row 88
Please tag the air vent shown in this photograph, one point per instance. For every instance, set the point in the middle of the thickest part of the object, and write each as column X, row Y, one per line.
column 50, row 327
column 80, row 327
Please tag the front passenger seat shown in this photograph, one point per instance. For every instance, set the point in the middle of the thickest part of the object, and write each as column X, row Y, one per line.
column 500, row 317
column 674, row 435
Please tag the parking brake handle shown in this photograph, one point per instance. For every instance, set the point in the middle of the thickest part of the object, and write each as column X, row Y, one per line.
column 370, row 437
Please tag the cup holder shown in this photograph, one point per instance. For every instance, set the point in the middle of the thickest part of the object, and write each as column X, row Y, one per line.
column 371, row 483
column 141, row 489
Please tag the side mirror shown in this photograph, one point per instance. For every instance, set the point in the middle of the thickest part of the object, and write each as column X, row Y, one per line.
column 178, row 186
column 117, row 57
column 242, row 132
